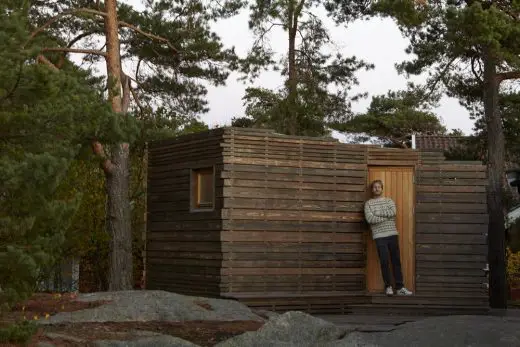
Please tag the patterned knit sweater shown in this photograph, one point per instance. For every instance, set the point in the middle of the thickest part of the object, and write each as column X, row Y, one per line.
column 380, row 214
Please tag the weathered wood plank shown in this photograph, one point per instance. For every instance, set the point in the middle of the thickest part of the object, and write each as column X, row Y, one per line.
column 460, row 250
column 153, row 259
column 210, row 144
column 324, row 257
column 478, row 258
column 195, row 163
column 451, row 265
column 284, row 204
column 294, row 177
column 293, row 163
column 396, row 162
column 201, row 155
column 310, row 226
column 202, row 246
column 278, row 278
column 458, row 239
column 292, row 215
column 184, row 216
column 431, row 181
column 451, row 174
column 265, row 183
column 290, row 236
column 285, row 140
column 295, row 248
column 434, row 228
column 204, row 225
column 468, row 289
column 294, row 287
column 184, row 235
column 293, row 271
column 294, row 170
column 217, row 255
column 164, row 143
column 457, row 167
column 450, row 189
column 477, row 280
column 472, row 272
column 449, row 197
column 439, row 207
column 272, row 193
column 294, row 157
column 294, row 263
column 452, row 218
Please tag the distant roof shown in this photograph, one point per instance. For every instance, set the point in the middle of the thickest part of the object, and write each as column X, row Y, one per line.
column 437, row 142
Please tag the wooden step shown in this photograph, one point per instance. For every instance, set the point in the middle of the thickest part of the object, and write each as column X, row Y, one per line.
column 434, row 300
column 416, row 310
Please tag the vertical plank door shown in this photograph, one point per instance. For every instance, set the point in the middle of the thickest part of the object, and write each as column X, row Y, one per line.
column 398, row 184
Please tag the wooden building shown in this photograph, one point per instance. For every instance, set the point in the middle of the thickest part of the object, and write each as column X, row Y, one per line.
column 277, row 222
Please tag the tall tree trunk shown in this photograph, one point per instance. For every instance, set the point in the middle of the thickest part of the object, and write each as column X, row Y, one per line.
column 117, row 178
column 292, row 114
column 496, row 150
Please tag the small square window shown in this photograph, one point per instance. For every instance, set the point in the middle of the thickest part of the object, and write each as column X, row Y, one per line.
column 202, row 188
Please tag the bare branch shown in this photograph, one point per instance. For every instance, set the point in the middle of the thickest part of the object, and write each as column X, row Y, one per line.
column 261, row 37
column 42, row 60
column 18, row 78
column 99, row 151
column 149, row 35
column 136, row 99
column 137, row 69
column 80, row 37
column 440, row 77
column 74, row 50
column 60, row 16
column 473, row 70
column 510, row 75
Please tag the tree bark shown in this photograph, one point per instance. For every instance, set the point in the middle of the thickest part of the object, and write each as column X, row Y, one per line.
column 118, row 219
column 496, row 150
column 292, row 114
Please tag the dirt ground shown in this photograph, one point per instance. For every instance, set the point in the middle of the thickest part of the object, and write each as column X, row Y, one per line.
column 40, row 306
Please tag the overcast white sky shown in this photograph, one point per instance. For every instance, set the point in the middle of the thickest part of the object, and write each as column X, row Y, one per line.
column 377, row 41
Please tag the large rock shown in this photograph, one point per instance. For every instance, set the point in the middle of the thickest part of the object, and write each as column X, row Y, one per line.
column 291, row 329
column 155, row 341
column 453, row 331
column 142, row 305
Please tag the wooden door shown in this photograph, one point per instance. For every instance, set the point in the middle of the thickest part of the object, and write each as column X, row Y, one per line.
column 398, row 184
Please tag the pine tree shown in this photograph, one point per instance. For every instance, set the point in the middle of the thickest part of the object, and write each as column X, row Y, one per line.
column 45, row 119
column 394, row 117
column 317, row 84
column 172, row 49
column 470, row 48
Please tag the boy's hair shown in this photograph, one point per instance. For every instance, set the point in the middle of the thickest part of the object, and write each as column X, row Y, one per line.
column 374, row 182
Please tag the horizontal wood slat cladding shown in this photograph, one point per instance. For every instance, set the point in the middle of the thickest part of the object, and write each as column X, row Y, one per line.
column 451, row 224
column 288, row 229
column 292, row 211
column 179, row 241
column 392, row 157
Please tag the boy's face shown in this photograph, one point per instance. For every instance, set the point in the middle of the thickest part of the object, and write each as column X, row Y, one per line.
column 377, row 189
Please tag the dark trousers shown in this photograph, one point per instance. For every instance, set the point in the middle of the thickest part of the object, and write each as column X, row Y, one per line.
column 388, row 247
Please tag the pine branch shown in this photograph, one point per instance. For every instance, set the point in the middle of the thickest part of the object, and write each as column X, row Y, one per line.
column 97, row 147
column 60, row 16
column 149, row 35
column 75, row 50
